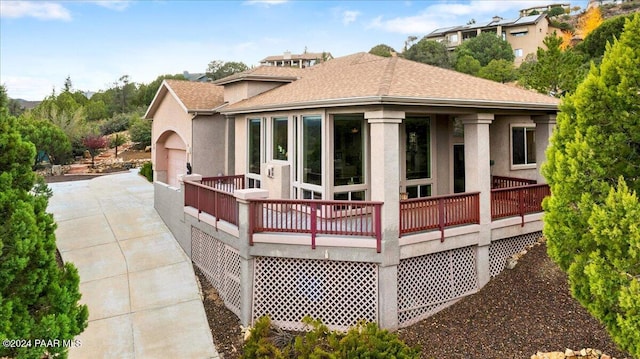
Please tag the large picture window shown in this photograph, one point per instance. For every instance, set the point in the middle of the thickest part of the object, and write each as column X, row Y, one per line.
column 523, row 143
column 418, row 147
column 312, row 150
column 254, row 145
column 348, row 152
column 280, row 138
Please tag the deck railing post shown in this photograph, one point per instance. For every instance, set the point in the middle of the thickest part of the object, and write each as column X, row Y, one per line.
column 521, row 205
column 378, row 227
column 314, row 221
column 441, row 218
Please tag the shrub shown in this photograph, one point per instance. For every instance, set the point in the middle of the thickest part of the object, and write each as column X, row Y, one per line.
column 117, row 123
column 366, row 340
column 147, row 171
column 140, row 132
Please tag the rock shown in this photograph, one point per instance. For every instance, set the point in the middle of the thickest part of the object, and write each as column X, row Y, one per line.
column 56, row 170
column 583, row 352
column 87, row 154
column 511, row 263
column 147, row 149
column 568, row 353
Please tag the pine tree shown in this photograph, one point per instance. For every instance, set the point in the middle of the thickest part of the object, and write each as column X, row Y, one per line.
column 38, row 299
column 597, row 142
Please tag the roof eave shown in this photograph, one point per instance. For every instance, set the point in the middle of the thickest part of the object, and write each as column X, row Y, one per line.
column 396, row 100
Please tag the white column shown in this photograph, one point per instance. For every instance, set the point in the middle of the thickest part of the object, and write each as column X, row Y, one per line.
column 544, row 128
column 477, row 173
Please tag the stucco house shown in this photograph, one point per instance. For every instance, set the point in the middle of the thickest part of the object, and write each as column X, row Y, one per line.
column 525, row 34
column 360, row 188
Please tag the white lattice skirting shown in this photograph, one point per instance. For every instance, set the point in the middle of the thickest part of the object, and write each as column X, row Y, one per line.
column 429, row 283
column 502, row 249
column 339, row 293
column 220, row 263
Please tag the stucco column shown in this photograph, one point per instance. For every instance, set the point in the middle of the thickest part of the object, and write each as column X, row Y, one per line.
column 544, row 128
column 243, row 197
column 385, row 187
column 385, row 175
column 477, row 173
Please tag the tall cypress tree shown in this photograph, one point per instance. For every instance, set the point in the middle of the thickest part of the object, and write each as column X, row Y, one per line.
column 593, row 168
column 38, row 298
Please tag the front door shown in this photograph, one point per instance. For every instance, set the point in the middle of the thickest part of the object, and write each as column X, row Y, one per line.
column 458, row 168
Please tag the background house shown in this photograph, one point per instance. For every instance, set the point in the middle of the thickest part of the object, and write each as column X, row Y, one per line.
column 525, row 34
column 303, row 60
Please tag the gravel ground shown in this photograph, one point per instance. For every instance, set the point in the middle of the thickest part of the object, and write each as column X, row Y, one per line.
column 520, row 312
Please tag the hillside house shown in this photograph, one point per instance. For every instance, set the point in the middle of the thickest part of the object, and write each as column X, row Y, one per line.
column 303, row 60
column 524, row 34
column 363, row 187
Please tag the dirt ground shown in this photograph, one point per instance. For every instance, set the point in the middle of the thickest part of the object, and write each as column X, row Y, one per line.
column 520, row 312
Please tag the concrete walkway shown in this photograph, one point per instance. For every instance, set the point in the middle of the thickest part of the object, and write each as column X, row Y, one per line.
column 138, row 283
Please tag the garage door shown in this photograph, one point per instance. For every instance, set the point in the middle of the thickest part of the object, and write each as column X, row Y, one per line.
column 176, row 164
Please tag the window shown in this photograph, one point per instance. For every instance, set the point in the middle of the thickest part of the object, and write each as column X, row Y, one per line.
column 254, row 145
column 280, row 138
column 312, row 150
column 453, row 38
column 419, row 191
column 523, row 143
column 348, row 150
column 418, row 148
column 519, row 34
column 517, row 52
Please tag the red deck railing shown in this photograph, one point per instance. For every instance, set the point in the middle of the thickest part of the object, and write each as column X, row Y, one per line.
column 342, row 218
column 518, row 201
column 507, row 182
column 216, row 202
column 225, row 183
column 423, row 214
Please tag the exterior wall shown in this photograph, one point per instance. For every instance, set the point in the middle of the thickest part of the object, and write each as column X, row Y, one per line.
column 530, row 42
column 240, row 145
column 169, row 203
column 170, row 117
column 239, row 91
column 441, row 159
column 209, row 143
column 501, row 147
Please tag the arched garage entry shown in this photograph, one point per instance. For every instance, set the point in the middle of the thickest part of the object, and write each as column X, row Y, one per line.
column 170, row 158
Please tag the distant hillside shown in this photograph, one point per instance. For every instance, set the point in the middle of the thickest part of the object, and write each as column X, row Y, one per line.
column 27, row 104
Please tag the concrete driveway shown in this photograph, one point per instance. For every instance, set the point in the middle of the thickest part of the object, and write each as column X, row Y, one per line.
column 139, row 285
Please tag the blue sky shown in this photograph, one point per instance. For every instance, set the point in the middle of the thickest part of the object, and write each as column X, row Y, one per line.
column 96, row 42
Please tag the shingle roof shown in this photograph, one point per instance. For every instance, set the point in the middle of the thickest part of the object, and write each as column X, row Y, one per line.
column 273, row 73
column 193, row 96
column 367, row 78
column 197, row 95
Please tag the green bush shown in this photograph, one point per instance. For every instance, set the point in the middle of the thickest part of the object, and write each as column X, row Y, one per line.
column 147, row 171
column 117, row 123
column 140, row 132
column 366, row 340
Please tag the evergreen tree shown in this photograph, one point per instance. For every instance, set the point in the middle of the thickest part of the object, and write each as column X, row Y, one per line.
column 553, row 71
column 597, row 142
column 486, row 47
column 38, row 298
column 429, row 52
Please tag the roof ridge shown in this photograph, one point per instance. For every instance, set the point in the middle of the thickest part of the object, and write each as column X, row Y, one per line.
column 387, row 76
